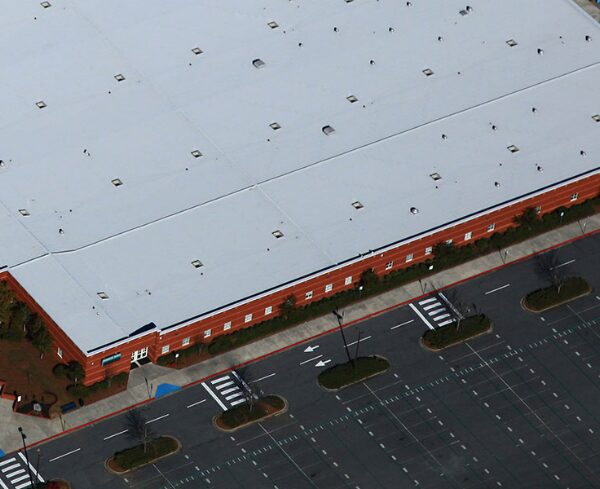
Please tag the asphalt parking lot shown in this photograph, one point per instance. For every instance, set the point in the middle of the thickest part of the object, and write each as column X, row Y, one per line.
column 514, row 408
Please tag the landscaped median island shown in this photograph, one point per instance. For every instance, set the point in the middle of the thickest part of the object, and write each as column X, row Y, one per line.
column 357, row 370
column 456, row 332
column 250, row 413
column 53, row 484
column 557, row 294
column 142, row 454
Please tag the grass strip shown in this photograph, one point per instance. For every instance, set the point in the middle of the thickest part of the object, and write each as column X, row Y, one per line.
column 349, row 373
column 548, row 297
column 456, row 332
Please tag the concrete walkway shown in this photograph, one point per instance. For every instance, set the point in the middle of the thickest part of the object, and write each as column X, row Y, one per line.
column 138, row 388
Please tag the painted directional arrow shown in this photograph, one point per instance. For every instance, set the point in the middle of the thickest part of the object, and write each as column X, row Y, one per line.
column 322, row 363
column 310, row 349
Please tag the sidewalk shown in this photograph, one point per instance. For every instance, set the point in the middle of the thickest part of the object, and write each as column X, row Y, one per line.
column 137, row 392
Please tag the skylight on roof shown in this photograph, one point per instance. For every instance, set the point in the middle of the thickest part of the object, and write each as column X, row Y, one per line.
column 428, row 72
column 512, row 148
column 352, row 99
column 46, row 4
column 197, row 51
column 24, row 212
column 196, row 153
column 436, row 176
column 117, row 182
column 197, row 264
column 512, row 43
column 414, row 210
column 357, row 205
column 277, row 233
column 119, row 77
column 275, row 126
column 103, row 295
column 258, row 63
column 273, row 24
column 596, row 117
column 41, row 104
column 327, row 130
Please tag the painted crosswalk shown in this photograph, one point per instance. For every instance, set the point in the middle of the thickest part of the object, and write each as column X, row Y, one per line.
column 227, row 391
column 434, row 311
column 15, row 473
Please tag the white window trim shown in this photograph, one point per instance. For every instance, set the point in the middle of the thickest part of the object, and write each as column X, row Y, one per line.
column 248, row 318
column 185, row 341
column 308, row 295
column 328, row 288
column 574, row 197
column 165, row 349
column 59, row 352
column 348, row 280
column 410, row 257
column 226, row 325
column 207, row 333
column 491, row 227
column 468, row 235
column 389, row 265
column 268, row 310
column 429, row 250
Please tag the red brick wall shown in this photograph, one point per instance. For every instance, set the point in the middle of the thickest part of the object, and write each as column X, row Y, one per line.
column 502, row 218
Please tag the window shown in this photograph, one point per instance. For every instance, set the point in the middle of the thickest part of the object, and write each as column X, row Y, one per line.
column 538, row 209
column 103, row 295
column 308, row 295
column 491, row 227
column 429, row 250
column 574, row 197
column 185, row 341
column 348, row 280
column 196, row 153
column 248, row 318
column 352, row 99
column 512, row 148
column 328, row 287
column 207, row 333
column 278, row 234
column 409, row 257
column 428, row 72
column 512, row 43
column 468, row 236
column 59, row 352
column 110, row 359
column 268, row 310
column 227, row 326
column 197, row 264
column 449, row 241
column 328, row 130
column 165, row 349
column 119, row 77
column 389, row 265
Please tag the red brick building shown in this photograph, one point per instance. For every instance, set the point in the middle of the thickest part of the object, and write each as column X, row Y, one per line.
column 164, row 183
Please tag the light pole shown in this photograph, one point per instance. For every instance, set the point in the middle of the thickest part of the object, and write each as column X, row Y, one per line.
column 24, row 437
column 340, row 320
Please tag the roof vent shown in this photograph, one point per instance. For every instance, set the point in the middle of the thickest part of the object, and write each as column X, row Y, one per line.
column 427, row 72
column 512, row 43
column 352, row 99
column 196, row 153
column 24, row 212
column 119, row 77
column 444, row 136
column 273, row 24
column 496, row 184
column 277, row 233
column 275, row 126
column 258, row 63
column 197, row 51
column 414, row 210
column 117, row 182
column 46, row 4
column 512, row 148
column 596, row 117
column 41, row 104
column 197, row 264
column 357, row 205
column 539, row 168
column 588, row 38
column 436, row 176
column 540, row 51
column 102, row 295
column 328, row 130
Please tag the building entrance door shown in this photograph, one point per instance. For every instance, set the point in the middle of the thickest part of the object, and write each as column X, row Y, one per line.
column 139, row 354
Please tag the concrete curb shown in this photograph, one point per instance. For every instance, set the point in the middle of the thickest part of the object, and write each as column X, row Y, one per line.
column 283, row 410
column 177, row 450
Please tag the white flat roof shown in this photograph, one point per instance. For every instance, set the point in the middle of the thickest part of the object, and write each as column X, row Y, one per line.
column 125, row 183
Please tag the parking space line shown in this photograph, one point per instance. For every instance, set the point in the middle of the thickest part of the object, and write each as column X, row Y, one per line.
column 431, row 306
column 403, row 324
column 220, row 379
column 262, row 378
column 427, row 301
column 64, row 454
column 214, row 396
column 196, row 403
column 311, row 359
column 115, row 434
column 362, row 339
column 7, row 461
column 156, row 419
column 496, row 289
column 418, row 313
column 226, row 384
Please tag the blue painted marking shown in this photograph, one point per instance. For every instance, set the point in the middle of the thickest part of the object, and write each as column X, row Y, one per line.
column 2, row 453
column 164, row 389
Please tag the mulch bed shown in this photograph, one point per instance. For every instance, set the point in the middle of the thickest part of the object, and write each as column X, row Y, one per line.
column 244, row 415
column 346, row 374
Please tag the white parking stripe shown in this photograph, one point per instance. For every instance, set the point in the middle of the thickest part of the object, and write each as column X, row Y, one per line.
column 442, row 316
column 228, row 391
column 431, row 306
column 2, row 485
column 214, row 396
column 26, row 484
column 403, row 324
column 115, row 434
column 233, row 396
column 10, row 467
column 239, row 401
column 16, row 472
column 436, row 311
column 418, row 313
column 362, row 339
column 19, row 479
column 220, row 379
column 156, row 419
column 497, row 289
column 226, row 384
column 63, row 455
column 426, row 301
column 196, row 403
column 33, row 471
column 7, row 461
column 446, row 322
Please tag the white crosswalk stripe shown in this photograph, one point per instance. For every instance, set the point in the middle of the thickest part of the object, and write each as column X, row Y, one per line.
column 433, row 311
column 14, row 473
column 226, row 391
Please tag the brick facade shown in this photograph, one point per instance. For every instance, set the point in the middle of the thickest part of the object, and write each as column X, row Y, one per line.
column 343, row 277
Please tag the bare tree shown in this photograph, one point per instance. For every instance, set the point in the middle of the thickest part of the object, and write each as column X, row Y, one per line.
column 249, row 389
column 137, row 428
column 548, row 268
column 460, row 308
